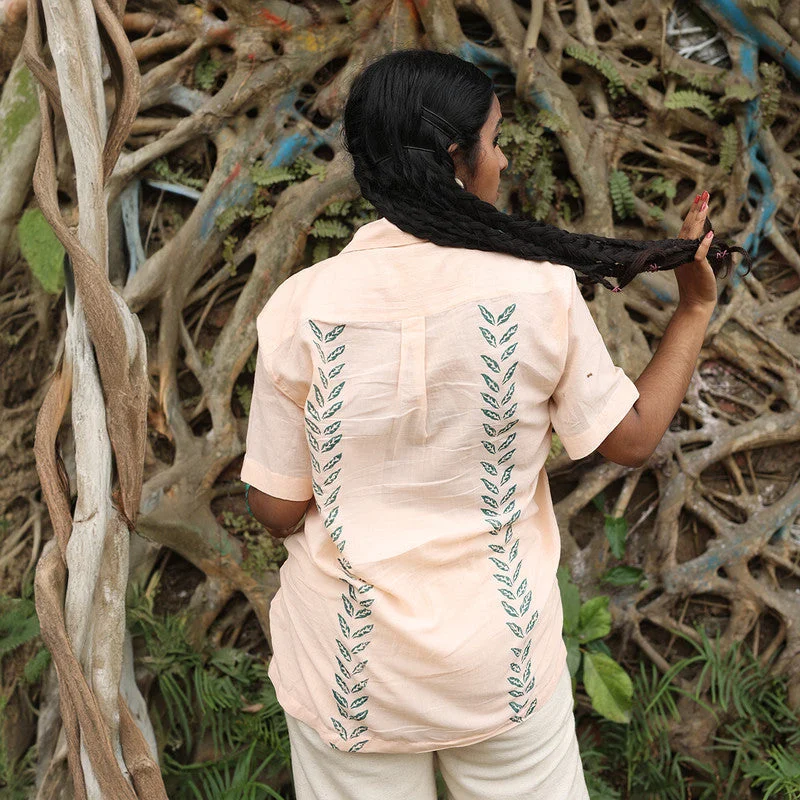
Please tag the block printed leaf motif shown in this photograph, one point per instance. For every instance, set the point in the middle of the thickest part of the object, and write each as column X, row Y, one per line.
column 506, row 566
column 349, row 694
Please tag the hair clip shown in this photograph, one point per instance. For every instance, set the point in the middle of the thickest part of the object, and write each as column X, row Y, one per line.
column 653, row 268
column 616, row 290
column 722, row 254
column 440, row 123
column 407, row 147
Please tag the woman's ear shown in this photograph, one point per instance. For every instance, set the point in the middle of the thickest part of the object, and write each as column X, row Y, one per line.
column 455, row 154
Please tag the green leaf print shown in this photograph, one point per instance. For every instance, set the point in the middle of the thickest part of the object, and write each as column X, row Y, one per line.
column 516, row 630
column 331, row 443
column 358, row 731
column 336, row 391
column 314, row 327
column 510, row 412
column 334, row 354
column 487, row 398
column 332, row 477
column 339, row 728
column 489, row 430
column 357, row 746
column 332, row 410
column 507, row 457
column 490, row 448
column 312, row 410
column 333, row 462
column 510, row 610
column 335, row 371
column 490, row 501
column 491, row 363
column 490, row 486
column 344, row 626
column 506, row 475
column 486, row 314
column 510, row 372
column 509, row 351
column 322, row 378
column 506, row 442
column 318, row 396
column 489, row 336
column 493, row 385
column 363, row 631
column 509, row 334
column 342, row 684
column 490, row 468
column 506, row 315
column 508, row 395
column 362, row 715
column 333, row 333
column 340, row 701
column 491, row 414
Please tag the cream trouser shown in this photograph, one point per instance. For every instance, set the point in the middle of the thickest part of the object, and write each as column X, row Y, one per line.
column 536, row 760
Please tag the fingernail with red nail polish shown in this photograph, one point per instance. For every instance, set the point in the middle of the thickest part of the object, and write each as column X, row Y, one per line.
column 697, row 197
column 710, row 235
column 704, row 206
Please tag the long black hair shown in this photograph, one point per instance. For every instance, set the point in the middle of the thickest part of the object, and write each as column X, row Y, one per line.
column 402, row 114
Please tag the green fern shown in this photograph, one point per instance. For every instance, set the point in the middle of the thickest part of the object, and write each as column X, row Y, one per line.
column 330, row 229
column 688, row 98
column 661, row 187
column 269, row 176
column 729, row 148
column 622, row 196
column 600, row 63
column 741, row 92
column 529, row 143
column 695, row 79
column 179, row 174
column 770, row 97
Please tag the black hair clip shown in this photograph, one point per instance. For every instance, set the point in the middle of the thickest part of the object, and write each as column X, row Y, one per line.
column 407, row 147
column 440, row 123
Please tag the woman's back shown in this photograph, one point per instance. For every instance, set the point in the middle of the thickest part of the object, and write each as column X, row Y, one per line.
column 427, row 380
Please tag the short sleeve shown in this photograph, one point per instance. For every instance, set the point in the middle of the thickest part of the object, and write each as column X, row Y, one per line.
column 592, row 396
column 277, row 460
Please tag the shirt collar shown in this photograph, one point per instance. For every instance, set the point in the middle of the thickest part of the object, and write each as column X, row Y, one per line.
column 380, row 233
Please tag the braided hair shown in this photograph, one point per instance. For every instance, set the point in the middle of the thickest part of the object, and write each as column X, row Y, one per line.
column 402, row 114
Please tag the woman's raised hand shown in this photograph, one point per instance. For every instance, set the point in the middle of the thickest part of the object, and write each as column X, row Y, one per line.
column 697, row 285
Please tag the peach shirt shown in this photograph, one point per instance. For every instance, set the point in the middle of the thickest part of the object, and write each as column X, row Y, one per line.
column 411, row 389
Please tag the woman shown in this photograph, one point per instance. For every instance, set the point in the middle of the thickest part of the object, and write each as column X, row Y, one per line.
column 404, row 399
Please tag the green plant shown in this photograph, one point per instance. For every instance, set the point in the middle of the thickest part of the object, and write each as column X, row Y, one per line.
column 622, row 196
column 206, row 71
column 603, row 65
column 688, row 98
column 179, row 174
column 770, row 95
column 729, row 148
column 530, row 144
column 755, row 736
column 42, row 250
column 224, row 692
column 588, row 658
column 262, row 552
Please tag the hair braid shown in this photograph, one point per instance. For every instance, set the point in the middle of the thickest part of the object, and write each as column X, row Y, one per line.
column 403, row 166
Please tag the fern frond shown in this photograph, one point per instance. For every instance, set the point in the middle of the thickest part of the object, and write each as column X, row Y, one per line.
column 622, row 196
column 600, row 63
column 329, row 229
column 269, row 176
column 688, row 98
column 729, row 148
column 770, row 97
column 740, row 91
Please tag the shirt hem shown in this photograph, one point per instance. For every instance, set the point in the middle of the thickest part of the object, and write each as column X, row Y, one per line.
column 379, row 745
column 619, row 403
column 284, row 487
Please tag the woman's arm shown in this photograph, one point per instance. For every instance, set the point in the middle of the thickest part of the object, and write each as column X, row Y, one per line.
column 279, row 517
column 663, row 384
